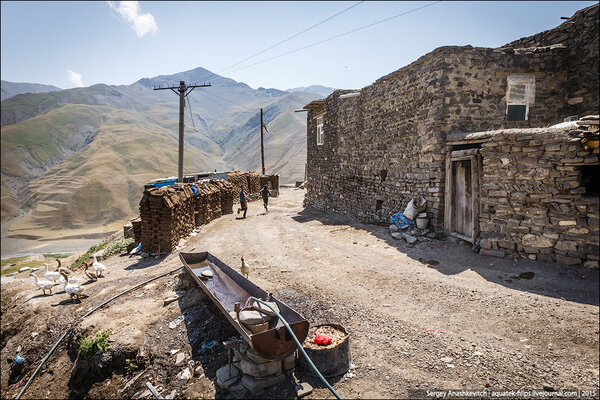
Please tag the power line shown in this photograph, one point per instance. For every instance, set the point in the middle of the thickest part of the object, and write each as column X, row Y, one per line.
column 291, row 37
column 230, row 101
column 335, row 37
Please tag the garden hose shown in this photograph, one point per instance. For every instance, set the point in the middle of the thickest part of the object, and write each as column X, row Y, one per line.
column 299, row 346
column 85, row 315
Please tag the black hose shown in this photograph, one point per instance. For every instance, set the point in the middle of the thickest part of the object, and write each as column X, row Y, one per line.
column 85, row 315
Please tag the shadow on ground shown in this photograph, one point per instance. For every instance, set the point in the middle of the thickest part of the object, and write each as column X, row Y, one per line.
column 145, row 263
column 571, row 283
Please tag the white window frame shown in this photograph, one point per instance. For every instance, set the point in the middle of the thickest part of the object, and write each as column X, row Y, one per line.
column 320, row 131
column 528, row 97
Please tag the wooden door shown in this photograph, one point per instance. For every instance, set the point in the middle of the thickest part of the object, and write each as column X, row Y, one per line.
column 461, row 217
column 462, row 198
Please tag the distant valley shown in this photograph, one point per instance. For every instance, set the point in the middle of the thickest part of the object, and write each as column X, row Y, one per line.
column 74, row 161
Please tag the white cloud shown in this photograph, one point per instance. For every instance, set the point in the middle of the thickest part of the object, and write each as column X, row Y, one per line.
column 75, row 78
column 130, row 11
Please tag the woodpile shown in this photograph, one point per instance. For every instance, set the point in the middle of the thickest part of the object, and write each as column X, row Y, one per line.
column 272, row 182
column 249, row 180
column 253, row 182
column 137, row 230
column 237, row 180
column 227, row 195
column 208, row 203
column 167, row 216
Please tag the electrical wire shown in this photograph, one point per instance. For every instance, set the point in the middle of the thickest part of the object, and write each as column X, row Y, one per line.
column 283, row 41
column 335, row 37
column 192, row 115
column 85, row 315
column 291, row 37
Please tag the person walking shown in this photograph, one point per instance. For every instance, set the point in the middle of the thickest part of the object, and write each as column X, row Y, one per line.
column 265, row 196
column 243, row 202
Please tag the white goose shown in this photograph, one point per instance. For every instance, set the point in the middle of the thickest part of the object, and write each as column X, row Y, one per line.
column 73, row 289
column 99, row 268
column 51, row 275
column 42, row 283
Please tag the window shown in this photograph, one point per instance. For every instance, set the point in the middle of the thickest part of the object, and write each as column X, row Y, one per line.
column 589, row 179
column 320, row 130
column 520, row 95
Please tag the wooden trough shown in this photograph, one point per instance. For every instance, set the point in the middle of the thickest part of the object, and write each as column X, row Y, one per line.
column 227, row 287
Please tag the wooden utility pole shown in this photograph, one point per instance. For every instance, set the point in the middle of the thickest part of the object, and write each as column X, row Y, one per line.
column 182, row 90
column 262, row 147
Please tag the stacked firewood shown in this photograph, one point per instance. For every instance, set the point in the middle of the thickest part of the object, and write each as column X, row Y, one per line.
column 208, row 203
column 237, row 180
column 137, row 230
column 227, row 195
column 249, row 180
column 272, row 182
column 167, row 216
column 253, row 182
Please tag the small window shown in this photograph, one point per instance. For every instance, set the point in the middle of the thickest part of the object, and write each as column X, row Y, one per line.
column 589, row 179
column 520, row 95
column 320, row 131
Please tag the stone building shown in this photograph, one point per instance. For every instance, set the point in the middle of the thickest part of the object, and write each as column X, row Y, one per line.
column 422, row 130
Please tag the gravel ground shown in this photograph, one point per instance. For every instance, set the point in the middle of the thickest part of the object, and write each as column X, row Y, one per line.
column 429, row 316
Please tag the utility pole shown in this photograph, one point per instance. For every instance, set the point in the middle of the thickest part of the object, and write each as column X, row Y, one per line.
column 182, row 90
column 262, row 147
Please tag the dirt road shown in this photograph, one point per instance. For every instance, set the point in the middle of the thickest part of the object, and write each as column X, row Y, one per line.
column 429, row 316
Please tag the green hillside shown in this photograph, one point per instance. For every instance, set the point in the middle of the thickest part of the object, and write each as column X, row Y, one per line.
column 74, row 162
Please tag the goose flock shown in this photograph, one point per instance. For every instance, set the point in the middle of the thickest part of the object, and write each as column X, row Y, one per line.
column 92, row 269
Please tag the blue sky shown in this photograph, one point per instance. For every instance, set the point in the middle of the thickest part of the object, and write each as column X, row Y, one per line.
column 70, row 44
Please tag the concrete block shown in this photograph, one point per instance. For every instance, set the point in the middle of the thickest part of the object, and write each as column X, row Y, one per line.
column 261, row 370
column 256, row 384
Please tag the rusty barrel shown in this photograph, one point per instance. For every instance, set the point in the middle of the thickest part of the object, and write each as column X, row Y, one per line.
column 330, row 360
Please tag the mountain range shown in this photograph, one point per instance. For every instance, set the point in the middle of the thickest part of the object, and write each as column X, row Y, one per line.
column 11, row 89
column 74, row 161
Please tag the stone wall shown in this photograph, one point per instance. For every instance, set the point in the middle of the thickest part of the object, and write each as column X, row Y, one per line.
column 580, row 35
column 388, row 144
column 381, row 147
column 532, row 200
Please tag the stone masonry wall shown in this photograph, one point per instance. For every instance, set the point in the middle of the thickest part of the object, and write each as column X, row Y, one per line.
column 532, row 201
column 381, row 147
column 580, row 35
column 388, row 144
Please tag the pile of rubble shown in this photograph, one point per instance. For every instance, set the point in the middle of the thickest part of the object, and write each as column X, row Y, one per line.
column 252, row 372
